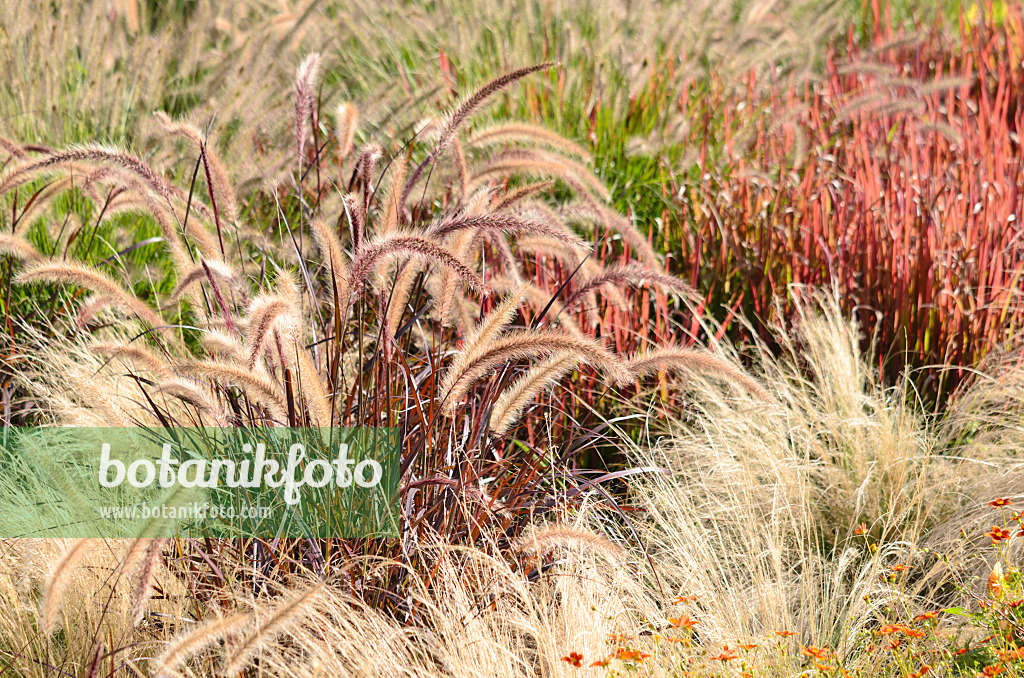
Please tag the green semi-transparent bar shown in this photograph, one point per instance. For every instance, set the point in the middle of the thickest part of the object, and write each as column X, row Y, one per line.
column 220, row 482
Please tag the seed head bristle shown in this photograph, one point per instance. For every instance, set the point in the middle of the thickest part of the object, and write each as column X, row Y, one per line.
column 512, row 402
column 305, row 83
column 197, row 273
column 462, row 112
column 499, row 317
column 552, row 537
column 461, row 170
column 505, row 222
column 517, row 132
column 90, row 278
column 11, row 148
column 293, row 608
column 347, row 121
column 147, row 575
column 185, row 645
column 591, row 209
column 112, row 157
column 58, row 581
column 517, row 195
column 477, row 359
column 393, row 214
column 20, row 248
column 535, row 162
column 400, row 293
column 688, row 359
column 335, row 260
column 139, row 355
column 630, row 275
column 368, row 157
column 314, row 392
column 540, row 299
column 414, row 246
column 217, row 175
column 41, row 200
column 255, row 383
column 190, row 393
column 225, row 345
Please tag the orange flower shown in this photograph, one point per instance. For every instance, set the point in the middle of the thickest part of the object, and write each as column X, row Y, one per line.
column 995, row 581
column 898, row 568
column 998, row 534
column 1015, row 603
column 861, row 529
column 822, row 667
column 619, row 638
column 684, row 599
column 999, row 502
column 990, row 671
column 626, row 655
column 574, row 659
column 727, row 655
column 749, row 646
column 600, row 663
column 962, row 650
column 1016, row 654
column 899, row 628
column 684, row 622
column 927, row 616
column 814, row 651
column 921, row 671
column 784, row 634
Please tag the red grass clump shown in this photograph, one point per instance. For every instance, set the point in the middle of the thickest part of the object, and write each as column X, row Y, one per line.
column 898, row 175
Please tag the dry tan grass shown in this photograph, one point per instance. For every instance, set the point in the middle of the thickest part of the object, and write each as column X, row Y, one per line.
column 756, row 518
column 759, row 512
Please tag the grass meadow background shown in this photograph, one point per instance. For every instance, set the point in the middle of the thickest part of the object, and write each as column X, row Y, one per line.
column 700, row 321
